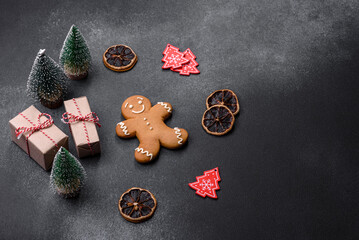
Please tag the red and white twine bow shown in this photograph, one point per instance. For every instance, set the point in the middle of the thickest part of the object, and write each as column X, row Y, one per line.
column 41, row 125
column 68, row 118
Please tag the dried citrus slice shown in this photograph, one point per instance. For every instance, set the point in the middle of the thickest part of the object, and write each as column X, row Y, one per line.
column 119, row 58
column 224, row 97
column 137, row 204
column 218, row 120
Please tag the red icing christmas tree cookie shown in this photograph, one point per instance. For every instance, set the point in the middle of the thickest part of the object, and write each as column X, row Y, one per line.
column 207, row 184
column 173, row 58
column 170, row 48
column 190, row 67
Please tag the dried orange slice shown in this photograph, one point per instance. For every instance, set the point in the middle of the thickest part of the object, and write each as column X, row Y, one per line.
column 119, row 58
column 224, row 97
column 218, row 120
column 137, row 204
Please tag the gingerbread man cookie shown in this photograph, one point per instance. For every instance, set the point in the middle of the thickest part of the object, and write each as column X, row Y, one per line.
column 147, row 124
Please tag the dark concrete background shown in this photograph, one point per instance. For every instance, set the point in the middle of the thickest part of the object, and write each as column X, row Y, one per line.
column 290, row 166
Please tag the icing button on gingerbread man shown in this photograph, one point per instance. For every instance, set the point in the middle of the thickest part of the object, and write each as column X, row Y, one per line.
column 147, row 124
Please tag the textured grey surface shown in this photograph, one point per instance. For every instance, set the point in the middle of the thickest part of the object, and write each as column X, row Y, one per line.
column 290, row 166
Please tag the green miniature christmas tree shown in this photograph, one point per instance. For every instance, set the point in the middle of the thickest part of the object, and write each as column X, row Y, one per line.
column 67, row 174
column 75, row 56
column 47, row 83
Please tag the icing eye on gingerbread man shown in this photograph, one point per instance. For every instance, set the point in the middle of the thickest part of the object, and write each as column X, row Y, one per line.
column 135, row 105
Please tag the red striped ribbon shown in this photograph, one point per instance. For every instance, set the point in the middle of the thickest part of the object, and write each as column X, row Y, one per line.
column 69, row 118
column 41, row 125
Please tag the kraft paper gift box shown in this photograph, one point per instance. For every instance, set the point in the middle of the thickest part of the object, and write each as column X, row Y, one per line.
column 82, row 124
column 36, row 134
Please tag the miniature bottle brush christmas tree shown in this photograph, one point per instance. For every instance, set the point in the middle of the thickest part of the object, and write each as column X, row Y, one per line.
column 67, row 174
column 47, row 82
column 75, row 56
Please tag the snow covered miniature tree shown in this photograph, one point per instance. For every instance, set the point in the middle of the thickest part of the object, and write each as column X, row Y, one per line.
column 47, row 82
column 67, row 174
column 75, row 56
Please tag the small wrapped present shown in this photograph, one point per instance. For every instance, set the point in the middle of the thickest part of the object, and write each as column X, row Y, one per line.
column 36, row 134
column 82, row 124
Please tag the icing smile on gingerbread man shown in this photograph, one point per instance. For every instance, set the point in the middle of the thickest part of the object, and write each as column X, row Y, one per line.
column 140, row 103
column 147, row 124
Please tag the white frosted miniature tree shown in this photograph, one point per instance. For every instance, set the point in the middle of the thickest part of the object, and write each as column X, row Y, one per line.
column 47, row 83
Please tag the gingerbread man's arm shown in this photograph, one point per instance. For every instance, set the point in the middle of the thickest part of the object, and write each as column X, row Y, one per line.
column 126, row 129
column 163, row 109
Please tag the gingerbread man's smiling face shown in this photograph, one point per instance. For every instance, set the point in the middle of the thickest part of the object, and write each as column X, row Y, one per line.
column 134, row 106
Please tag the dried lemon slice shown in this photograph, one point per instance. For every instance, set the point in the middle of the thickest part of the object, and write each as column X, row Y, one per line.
column 224, row 97
column 119, row 58
column 218, row 120
column 137, row 204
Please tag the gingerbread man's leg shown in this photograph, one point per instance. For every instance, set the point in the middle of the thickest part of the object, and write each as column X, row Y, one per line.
column 174, row 138
column 147, row 151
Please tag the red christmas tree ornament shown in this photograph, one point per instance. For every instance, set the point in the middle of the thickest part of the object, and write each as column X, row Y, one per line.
column 173, row 58
column 207, row 184
column 170, row 48
column 190, row 67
